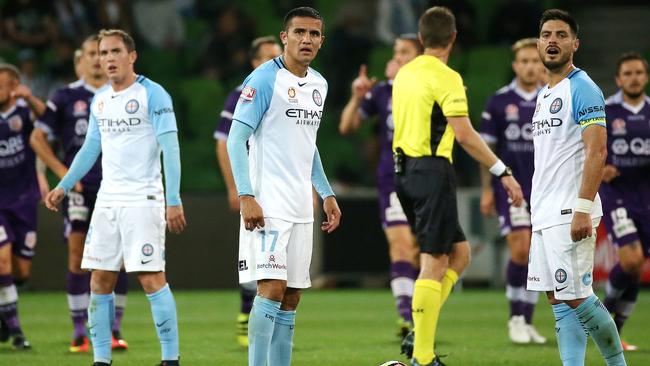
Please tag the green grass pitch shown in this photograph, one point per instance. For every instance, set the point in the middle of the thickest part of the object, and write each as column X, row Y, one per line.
column 355, row 327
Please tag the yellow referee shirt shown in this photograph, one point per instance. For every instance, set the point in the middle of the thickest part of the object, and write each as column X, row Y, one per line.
column 425, row 92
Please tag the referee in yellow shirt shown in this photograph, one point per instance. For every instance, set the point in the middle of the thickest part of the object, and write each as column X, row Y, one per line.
column 430, row 111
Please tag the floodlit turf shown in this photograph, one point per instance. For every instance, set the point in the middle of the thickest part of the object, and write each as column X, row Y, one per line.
column 334, row 328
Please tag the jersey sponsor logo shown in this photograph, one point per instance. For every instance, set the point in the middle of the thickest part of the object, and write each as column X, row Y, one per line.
column 546, row 95
column 162, row 111
column 242, row 265
column 303, row 84
column 545, row 126
column 592, row 109
column 618, row 127
column 515, row 132
column 556, row 105
column 318, row 99
column 81, row 127
column 566, row 211
column 512, row 113
column 117, row 125
column 305, row 117
column 637, row 145
column 560, row 276
column 248, row 94
column 132, row 106
column 11, row 146
column 147, row 250
column 586, row 279
column 622, row 224
column 15, row 123
column 80, row 108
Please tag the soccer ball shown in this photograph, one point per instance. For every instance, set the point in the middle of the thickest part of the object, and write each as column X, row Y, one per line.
column 393, row 363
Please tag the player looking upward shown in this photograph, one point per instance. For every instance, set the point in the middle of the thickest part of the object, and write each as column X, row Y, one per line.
column 570, row 150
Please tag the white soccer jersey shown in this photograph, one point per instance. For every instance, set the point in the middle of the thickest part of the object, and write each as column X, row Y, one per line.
column 127, row 123
column 562, row 113
column 285, row 112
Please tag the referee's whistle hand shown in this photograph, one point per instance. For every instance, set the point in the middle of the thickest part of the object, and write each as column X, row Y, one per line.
column 333, row 212
column 251, row 213
column 513, row 189
column 176, row 219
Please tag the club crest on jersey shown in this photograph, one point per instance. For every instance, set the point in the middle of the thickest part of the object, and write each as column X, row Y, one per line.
column 291, row 92
column 100, row 107
column 512, row 113
column 318, row 99
column 248, row 94
column 80, row 108
column 15, row 123
column 132, row 106
column 618, row 127
column 539, row 105
column 556, row 105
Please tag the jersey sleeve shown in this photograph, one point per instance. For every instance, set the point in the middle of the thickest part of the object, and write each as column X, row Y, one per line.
column 161, row 110
column 453, row 100
column 588, row 103
column 50, row 121
column 368, row 107
column 255, row 97
column 225, row 117
column 93, row 125
column 489, row 122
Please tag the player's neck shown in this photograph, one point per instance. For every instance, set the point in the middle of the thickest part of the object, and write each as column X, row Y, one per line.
column 295, row 67
column 95, row 82
column 557, row 75
column 634, row 102
column 124, row 83
column 528, row 88
column 440, row 53
column 6, row 106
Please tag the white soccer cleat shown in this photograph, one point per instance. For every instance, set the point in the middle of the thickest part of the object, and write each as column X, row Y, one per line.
column 535, row 337
column 518, row 330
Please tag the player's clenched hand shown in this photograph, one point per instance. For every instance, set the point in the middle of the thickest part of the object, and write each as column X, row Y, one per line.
column 513, row 189
column 333, row 213
column 581, row 226
column 487, row 202
column 54, row 198
column 22, row 91
column 176, row 219
column 609, row 173
column 251, row 213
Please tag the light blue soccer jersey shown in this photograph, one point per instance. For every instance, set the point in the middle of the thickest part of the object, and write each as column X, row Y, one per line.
column 127, row 123
column 561, row 114
column 285, row 112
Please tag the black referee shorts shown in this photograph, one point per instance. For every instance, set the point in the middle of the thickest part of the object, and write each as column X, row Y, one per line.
column 427, row 192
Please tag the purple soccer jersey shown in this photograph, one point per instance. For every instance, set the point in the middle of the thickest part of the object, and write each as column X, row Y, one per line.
column 66, row 118
column 506, row 124
column 19, row 192
column 378, row 101
column 225, row 121
column 626, row 199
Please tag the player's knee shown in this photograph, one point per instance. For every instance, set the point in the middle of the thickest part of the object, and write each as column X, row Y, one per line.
column 632, row 264
column 152, row 282
column 272, row 289
column 402, row 249
column 461, row 257
column 291, row 299
column 74, row 266
column 5, row 264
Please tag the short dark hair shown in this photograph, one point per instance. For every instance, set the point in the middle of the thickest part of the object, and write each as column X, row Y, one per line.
column 437, row 27
column 630, row 56
column 303, row 11
column 126, row 38
column 257, row 43
column 561, row 15
column 11, row 70
column 413, row 38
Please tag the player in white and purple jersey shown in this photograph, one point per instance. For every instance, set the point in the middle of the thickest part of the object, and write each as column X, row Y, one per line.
column 626, row 185
column 369, row 100
column 66, row 119
column 506, row 128
column 262, row 49
column 19, row 196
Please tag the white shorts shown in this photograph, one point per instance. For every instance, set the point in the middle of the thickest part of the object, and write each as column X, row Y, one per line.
column 133, row 236
column 556, row 263
column 280, row 251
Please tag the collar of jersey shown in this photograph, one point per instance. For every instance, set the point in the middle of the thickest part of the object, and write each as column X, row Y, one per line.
column 8, row 113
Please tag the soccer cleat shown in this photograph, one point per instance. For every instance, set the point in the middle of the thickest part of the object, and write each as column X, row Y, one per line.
column 19, row 342
column 169, row 363
column 102, row 363
column 403, row 328
column 80, row 344
column 4, row 331
column 628, row 347
column 436, row 362
column 517, row 330
column 535, row 337
column 117, row 342
column 242, row 329
column 407, row 345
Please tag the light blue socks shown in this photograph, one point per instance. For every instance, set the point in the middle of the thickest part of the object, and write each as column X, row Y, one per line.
column 282, row 341
column 571, row 336
column 600, row 325
column 101, row 313
column 261, row 324
column 163, row 309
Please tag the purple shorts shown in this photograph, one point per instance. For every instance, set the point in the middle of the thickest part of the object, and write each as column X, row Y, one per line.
column 18, row 227
column 390, row 209
column 626, row 218
column 77, row 211
column 511, row 218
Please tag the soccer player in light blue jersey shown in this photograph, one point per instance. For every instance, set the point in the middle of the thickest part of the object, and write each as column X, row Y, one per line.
column 570, row 143
column 131, row 121
column 278, row 113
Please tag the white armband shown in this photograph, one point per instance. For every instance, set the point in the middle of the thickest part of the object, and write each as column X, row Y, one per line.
column 498, row 168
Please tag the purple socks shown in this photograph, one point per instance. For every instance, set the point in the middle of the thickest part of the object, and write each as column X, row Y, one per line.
column 402, row 280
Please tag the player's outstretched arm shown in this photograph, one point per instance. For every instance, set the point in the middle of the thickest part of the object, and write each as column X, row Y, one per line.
column 350, row 118
column 472, row 142
column 323, row 188
column 172, row 165
column 251, row 211
column 595, row 141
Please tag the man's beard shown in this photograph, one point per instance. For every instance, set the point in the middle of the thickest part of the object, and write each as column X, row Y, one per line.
column 555, row 66
column 633, row 95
